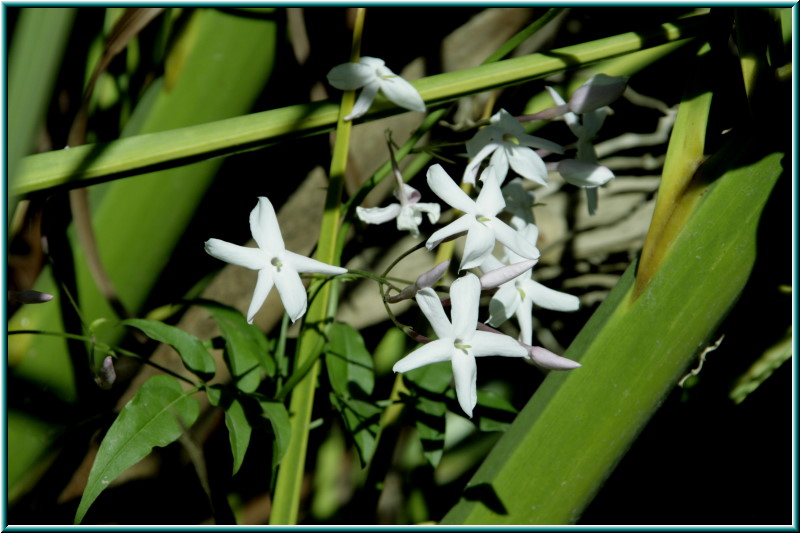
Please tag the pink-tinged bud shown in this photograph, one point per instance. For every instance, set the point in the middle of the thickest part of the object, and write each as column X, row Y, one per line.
column 107, row 375
column 547, row 359
column 29, row 297
column 597, row 92
column 427, row 279
column 495, row 278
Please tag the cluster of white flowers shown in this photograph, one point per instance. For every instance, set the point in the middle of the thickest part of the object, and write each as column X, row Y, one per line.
column 503, row 145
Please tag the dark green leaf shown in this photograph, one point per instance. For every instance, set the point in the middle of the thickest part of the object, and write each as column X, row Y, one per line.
column 430, row 423
column 362, row 421
column 278, row 416
column 434, row 378
column 493, row 413
column 246, row 347
column 159, row 413
column 191, row 349
column 349, row 363
column 239, row 427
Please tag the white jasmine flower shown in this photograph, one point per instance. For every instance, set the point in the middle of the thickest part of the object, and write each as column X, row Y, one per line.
column 505, row 139
column 408, row 212
column 479, row 221
column 517, row 296
column 275, row 264
column 372, row 74
column 459, row 341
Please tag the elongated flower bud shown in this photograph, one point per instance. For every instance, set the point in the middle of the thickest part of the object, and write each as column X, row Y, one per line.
column 427, row 279
column 495, row 278
column 29, row 297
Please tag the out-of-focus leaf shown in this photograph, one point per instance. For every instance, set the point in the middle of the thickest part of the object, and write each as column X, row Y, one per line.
column 159, row 413
column 433, row 378
column 493, row 413
column 246, row 348
column 768, row 363
column 239, row 427
column 429, row 419
column 193, row 352
column 362, row 421
column 349, row 363
column 144, row 153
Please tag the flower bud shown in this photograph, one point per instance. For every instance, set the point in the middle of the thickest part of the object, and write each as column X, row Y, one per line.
column 546, row 359
column 495, row 278
column 29, row 297
column 427, row 279
column 597, row 92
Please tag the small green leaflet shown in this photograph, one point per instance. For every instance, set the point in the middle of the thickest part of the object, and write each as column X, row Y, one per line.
column 194, row 354
column 159, row 413
column 239, row 427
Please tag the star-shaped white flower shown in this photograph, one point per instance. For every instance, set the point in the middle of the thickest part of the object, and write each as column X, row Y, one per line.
column 275, row 264
column 505, row 139
column 459, row 341
column 372, row 74
column 408, row 212
column 479, row 221
column 517, row 296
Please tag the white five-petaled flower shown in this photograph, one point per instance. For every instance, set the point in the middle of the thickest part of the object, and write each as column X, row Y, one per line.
column 505, row 139
column 459, row 341
column 275, row 264
column 479, row 221
column 517, row 296
column 408, row 212
column 372, row 74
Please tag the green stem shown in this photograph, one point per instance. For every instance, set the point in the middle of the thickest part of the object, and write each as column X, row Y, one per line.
column 286, row 501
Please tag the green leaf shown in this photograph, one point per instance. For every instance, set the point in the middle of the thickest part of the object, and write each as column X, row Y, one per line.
column 278, row 416
column 247, row 349
column 239, row 426
column 159, row 413
column 493, row 413
column 429, row 419
column 362, row 421
column 349, row 363
column 433, row 378
column 193, row 352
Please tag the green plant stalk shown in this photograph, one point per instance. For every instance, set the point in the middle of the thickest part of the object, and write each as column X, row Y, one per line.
column 578, row 425
column 286, row 500
column 90, row 164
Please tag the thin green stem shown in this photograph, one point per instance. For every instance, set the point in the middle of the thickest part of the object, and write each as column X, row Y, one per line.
column 286, row 501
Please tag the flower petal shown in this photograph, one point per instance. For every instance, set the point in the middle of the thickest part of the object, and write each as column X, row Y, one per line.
column 402, row 93
column 364, row 100
column 485, row 343
column 465, row 294
column 432, row 209
column 510, row 238
column 525, row 319
column 538, row 142
column 456, row 227
column 292, row 291
column 479, row 244
column 263, row 286
column 490, row 200
column 378, row 215
column 471, row 172
column 407, row 194
column 549, row 298
column 584, row 174
column 433, row 352
column 432, row 308
column 409, row 219
column 465, row 374
column 527, row 164
column 306, row 265
column 599, row 91
column 503, row 304
column 252, row 258
column 499, row 161
column 264, row 227
column 445, row 188
column 351, row 76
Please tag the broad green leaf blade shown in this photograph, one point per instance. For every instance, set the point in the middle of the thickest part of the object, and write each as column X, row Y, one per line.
column 429, row 420
column 159, row 413
column 246, row 348
column 141, row 154
column 348, row 362
column 362, row 422
column 632, row 351
column 239, row 427
column 39, row 43
column 193, row 352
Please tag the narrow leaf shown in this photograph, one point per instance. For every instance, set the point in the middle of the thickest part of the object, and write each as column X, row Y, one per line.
column 239, row 426
column 362, row 421
column 159, row 413
column 278, row 416
column 193, row 352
